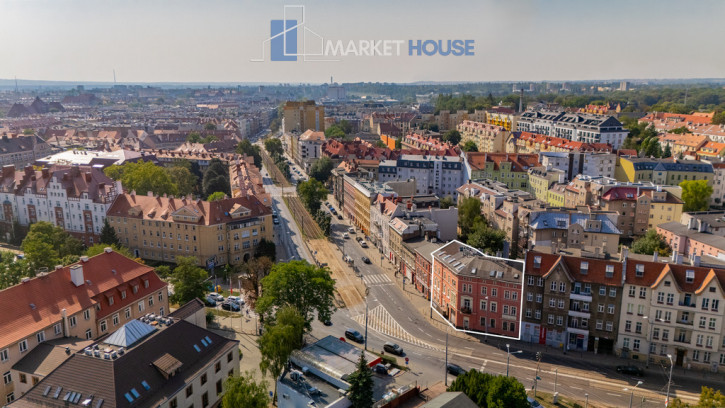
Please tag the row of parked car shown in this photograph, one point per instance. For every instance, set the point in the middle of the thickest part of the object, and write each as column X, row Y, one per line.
column 231, row 303
column 332, row 210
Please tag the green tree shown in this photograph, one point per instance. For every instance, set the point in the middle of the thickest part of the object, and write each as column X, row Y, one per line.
column 469, row 215
column 469, row 146
column 246, row 147
column 216, row 196
column 188, row 280
column 281, row 337
column 346, row 126
column 193, row 137
column 334, row 132
column 28, row 132
column 321, row 169
column 12, row 271
column 452, row 136
column 680, row 130
column 651, row 242
column 273, row 147
column 209, row 139
column 487, row 239
column 447, row 202
column 100, row 248
column 311, row 193
column 252, row 272
column 306, row 287
column 244, row 391
column 491, row 391
column 164, row 271
column 361, row 383
column 143, row 177
column 185, row 180
column 209, row 126
column 667, row 152
column 108, row 234
column 718, row 118
column 216, row 178
column 398, row 144
column 696, row 195
column 47, row 245
column 266, row 248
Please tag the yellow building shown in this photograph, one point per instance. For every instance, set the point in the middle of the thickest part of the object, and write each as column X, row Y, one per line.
column 557, row 195
column 541, row 180
column 221, row 232
column 300, row 116
column 664, row 207
column 488, row 138
column 506, row 120
column 661, row 171
column 363, row 201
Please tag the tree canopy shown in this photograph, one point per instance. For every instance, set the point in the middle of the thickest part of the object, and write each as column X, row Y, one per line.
column 274, row 147
column 186, row 181
column 47, row 245
column 266, row 248
column 305, row 287
column 469, row 212
column 321, row 169
column 491, row 391
column 696, row 195
column 311, row 193
column 452, row 136
column 252, row 272
column 216, row 196
column 188, row 280
column 446, row 202
column 216, row 178
column 99, row 248
column 12, row 271
column 143, row 177
column 651, row 242
column 469, row 146
column 108, row 234
column 280, row 338
column 244, row 391
column 487, row 239
column 361, row 383
column 709, row 398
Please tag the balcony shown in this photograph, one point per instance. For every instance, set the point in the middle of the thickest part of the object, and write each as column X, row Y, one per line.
column 577, row 330
column 685, row 304
column 580, row 314
column 581, row 296
column 684, row 321
column 466, row 310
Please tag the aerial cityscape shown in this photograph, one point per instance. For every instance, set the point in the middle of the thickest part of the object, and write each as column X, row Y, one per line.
column 362, row 204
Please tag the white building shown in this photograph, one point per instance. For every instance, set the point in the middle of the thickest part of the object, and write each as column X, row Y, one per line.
column 586, row 163
column 578, row 127
column 75, row 198
column 439, row 175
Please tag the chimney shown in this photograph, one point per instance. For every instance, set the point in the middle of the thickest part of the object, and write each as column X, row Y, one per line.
column 76, row 275
column 655, row 256
column 696, row 260
column 108, row 250
column 8, row 171
column 624, row 254
column 701, row 226
column 66, row 327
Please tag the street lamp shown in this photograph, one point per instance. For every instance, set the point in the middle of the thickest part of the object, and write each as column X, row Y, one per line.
column 446, row 367
column 669, row 382
column 367, row 291
column 631, row 396
column 508, row 357
column 485, row 326
column 586, row 404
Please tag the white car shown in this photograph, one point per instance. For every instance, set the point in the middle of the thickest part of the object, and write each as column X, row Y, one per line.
column 351, row 230
column 363, row 244
column 346, row 235
column 216, row 296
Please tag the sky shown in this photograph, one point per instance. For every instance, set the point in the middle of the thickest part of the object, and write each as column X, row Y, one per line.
column 215, row 40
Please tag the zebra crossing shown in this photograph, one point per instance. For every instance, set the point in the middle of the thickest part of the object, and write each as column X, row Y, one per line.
column 381, row 321
column 377, row 279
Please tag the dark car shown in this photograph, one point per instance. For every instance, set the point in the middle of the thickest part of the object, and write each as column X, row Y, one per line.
column 380, row 369
column 354, row 335
column 366, row 259
column 630, row 370
column 393, row 348
column 231, row 306
column 339, row 216
column 455, row 369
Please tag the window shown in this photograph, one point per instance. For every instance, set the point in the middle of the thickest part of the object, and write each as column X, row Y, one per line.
column 610, row 309
column 218, row 387
column 203, row 379
column 562, row 287
column 4, row 356
column 698, row 342
column 715, row 305
column 493, row 307
column 23, row 345
column 638, row 328
column 632, row 291
column 703, row 321
column 128, row 312
column 643, row 293
column 529, row 296
column 530, row 280
column 115, row 319
column 599, row 324
column 665, row 335
column 705, row 303
column 174, row 403
column 205, row 400
column 161, row 297
column 484, row 290
column 7, row 378
column 602, row 291
column 151, row 301
column 40, row 336
column 57, row 329
column 600, row 307
column 229, row 357
column 483, row 305
column 609, row 271
column 540, row 282
column 217, row 366
column 695, row 355
column 553, row 286
column 656, row 333
column 141, row 306
column 552, row 302
column 625, row 342
column 539, row 298
column 613, row 292
column 72, row 321
column 551, row 319
column 10, row 397
column 494, row 292
column 104, row 326
column 639, row 270
column 561, row 303
column 630, row 308
column 628, row 326
column 610, row 326
column 670, row 298
column 189, row 391
column 87, row 314
column 712, row 323
column 660, row 297
column 89, row 334
column 537, row 314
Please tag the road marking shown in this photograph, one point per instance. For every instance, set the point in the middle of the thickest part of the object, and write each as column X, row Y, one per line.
column 377, row 279
column 576, row 388
column 470, row 348
column 613, row 395
column 497, row 354
column 381, row 321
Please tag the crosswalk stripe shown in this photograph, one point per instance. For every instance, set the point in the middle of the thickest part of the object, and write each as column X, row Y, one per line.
column 383, row 322
column 377, row 279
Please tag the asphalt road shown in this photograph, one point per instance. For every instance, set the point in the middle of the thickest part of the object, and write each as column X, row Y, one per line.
column 392, row 317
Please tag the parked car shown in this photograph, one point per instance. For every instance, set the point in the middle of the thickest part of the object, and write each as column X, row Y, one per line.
column 366, row 259
column 380, row 369
column 311, row 390
column 455, row 369
column 216, row 296
column 534, row 403
column 346, row 235
column 363, row 244
column 230, row 306
column 393, row 348
column 358, row 239
column 276, row 221
column 327, row 204
column 351, row 230
column 354, row 335
column 210, row 302
column 236, row 299
column 630, row 370
column 339, row 216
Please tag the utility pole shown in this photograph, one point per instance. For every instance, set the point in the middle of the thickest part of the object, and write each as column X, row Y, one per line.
column 536, row 373
column 669, row 382
column 556, row 377
column 367, row 291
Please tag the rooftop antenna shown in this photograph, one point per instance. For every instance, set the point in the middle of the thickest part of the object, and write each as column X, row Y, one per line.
column 114, row 76
column 16, row 84
column 687, row 88
column 331, row 80
column 521, row 100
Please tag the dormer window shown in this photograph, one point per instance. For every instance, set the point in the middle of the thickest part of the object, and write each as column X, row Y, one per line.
column 145, row 283
column 609, row 271
column 639, row 270
column 584, row 267
column 689, row 276
column 123, row 294
column 110, row 300
column 537, row 262
column 135, row 289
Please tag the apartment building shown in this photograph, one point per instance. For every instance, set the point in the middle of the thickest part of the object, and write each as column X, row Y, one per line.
column 215, row 233
column 499, row 116
column 594, row 232
column 683, row 144
column 692, row 239
column 308, row 148
column 661, row 171
column 433, row 174
column 671, row 308
column 572, row 303
column 75, row 198
column 487, row 137
column 22, row 150
column 542, row 179
column 301, row 116
column 477, row 292
column 641, row 209
column 84, row 300
column 153, row 362
column 594, row 164
column 578, row 127
column 511, row 169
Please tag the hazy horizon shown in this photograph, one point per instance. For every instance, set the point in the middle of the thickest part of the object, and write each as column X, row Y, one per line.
column 187, row 41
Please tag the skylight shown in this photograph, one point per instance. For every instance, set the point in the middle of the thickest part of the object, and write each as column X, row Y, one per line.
column 208, row 340
column 145, row 385
column 197, row 348
column 203, row 342
column 47, row 390
column 128, row 397
column 135, row 393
